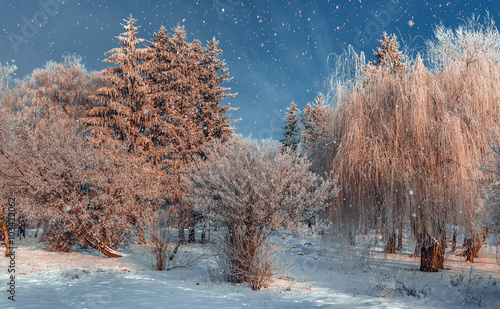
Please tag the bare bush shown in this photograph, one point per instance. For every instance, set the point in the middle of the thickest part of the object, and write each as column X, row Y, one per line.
column 161, row 238
column 254, row 189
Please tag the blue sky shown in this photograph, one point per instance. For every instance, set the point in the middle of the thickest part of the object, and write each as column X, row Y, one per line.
column 276, row 51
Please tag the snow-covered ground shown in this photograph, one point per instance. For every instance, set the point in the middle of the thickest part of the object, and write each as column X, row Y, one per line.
column 318, row 278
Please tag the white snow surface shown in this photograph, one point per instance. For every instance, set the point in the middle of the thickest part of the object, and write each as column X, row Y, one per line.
column 318, row 277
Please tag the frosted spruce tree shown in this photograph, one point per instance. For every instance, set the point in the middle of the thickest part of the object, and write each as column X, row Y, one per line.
column 184, row 80
column 122, row 118
column 292, row 130
column 315, row 133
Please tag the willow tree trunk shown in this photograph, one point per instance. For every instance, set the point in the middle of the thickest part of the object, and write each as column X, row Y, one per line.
column 431, row 255
column 441, row 251
column 454, row 241
column 400, row 238
column 418, row 249
column 38, row 224
column 473, row 245
column 429, row 258
column 390, row 242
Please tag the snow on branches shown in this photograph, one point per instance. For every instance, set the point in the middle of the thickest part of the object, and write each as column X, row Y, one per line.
column 254, row 189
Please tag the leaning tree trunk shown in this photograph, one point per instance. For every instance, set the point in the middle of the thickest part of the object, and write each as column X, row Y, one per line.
column 88, row 237
column 84, row 232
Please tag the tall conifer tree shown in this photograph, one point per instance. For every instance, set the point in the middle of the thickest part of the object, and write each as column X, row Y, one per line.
column 121, row 116
column 291, row 134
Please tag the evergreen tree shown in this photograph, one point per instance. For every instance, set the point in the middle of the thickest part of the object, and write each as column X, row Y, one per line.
column 184, row 93
column 121, row 116
column 171, row 102
column 291, row 128
column 163, row 102
column 388, row 54
column 212, row 116
column 315, row 136
column 184, row 90
column 314, row 120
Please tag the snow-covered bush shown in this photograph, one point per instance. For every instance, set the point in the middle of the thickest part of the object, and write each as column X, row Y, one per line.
column 56, row 173
column 254, row 189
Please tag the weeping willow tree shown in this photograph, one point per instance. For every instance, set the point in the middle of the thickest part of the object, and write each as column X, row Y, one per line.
column 409, row 138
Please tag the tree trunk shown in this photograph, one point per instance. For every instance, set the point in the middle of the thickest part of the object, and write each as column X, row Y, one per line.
column 95, row 243
column 400, row 238
column 431, row 255
column 390, row 242
column 182, row 236
column 454, row 241
column 3, row 227
column 418, row 247
column 204, row 233
column 142, row 239
column 441, row 251
column 473, row 245
column 191, row 237
column 38, row 224
column 98, row 245
column 472, row 249
column 352, row 238
column 429, row 258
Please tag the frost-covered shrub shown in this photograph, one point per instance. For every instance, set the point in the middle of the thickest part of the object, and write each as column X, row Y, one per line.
column 254, row 189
